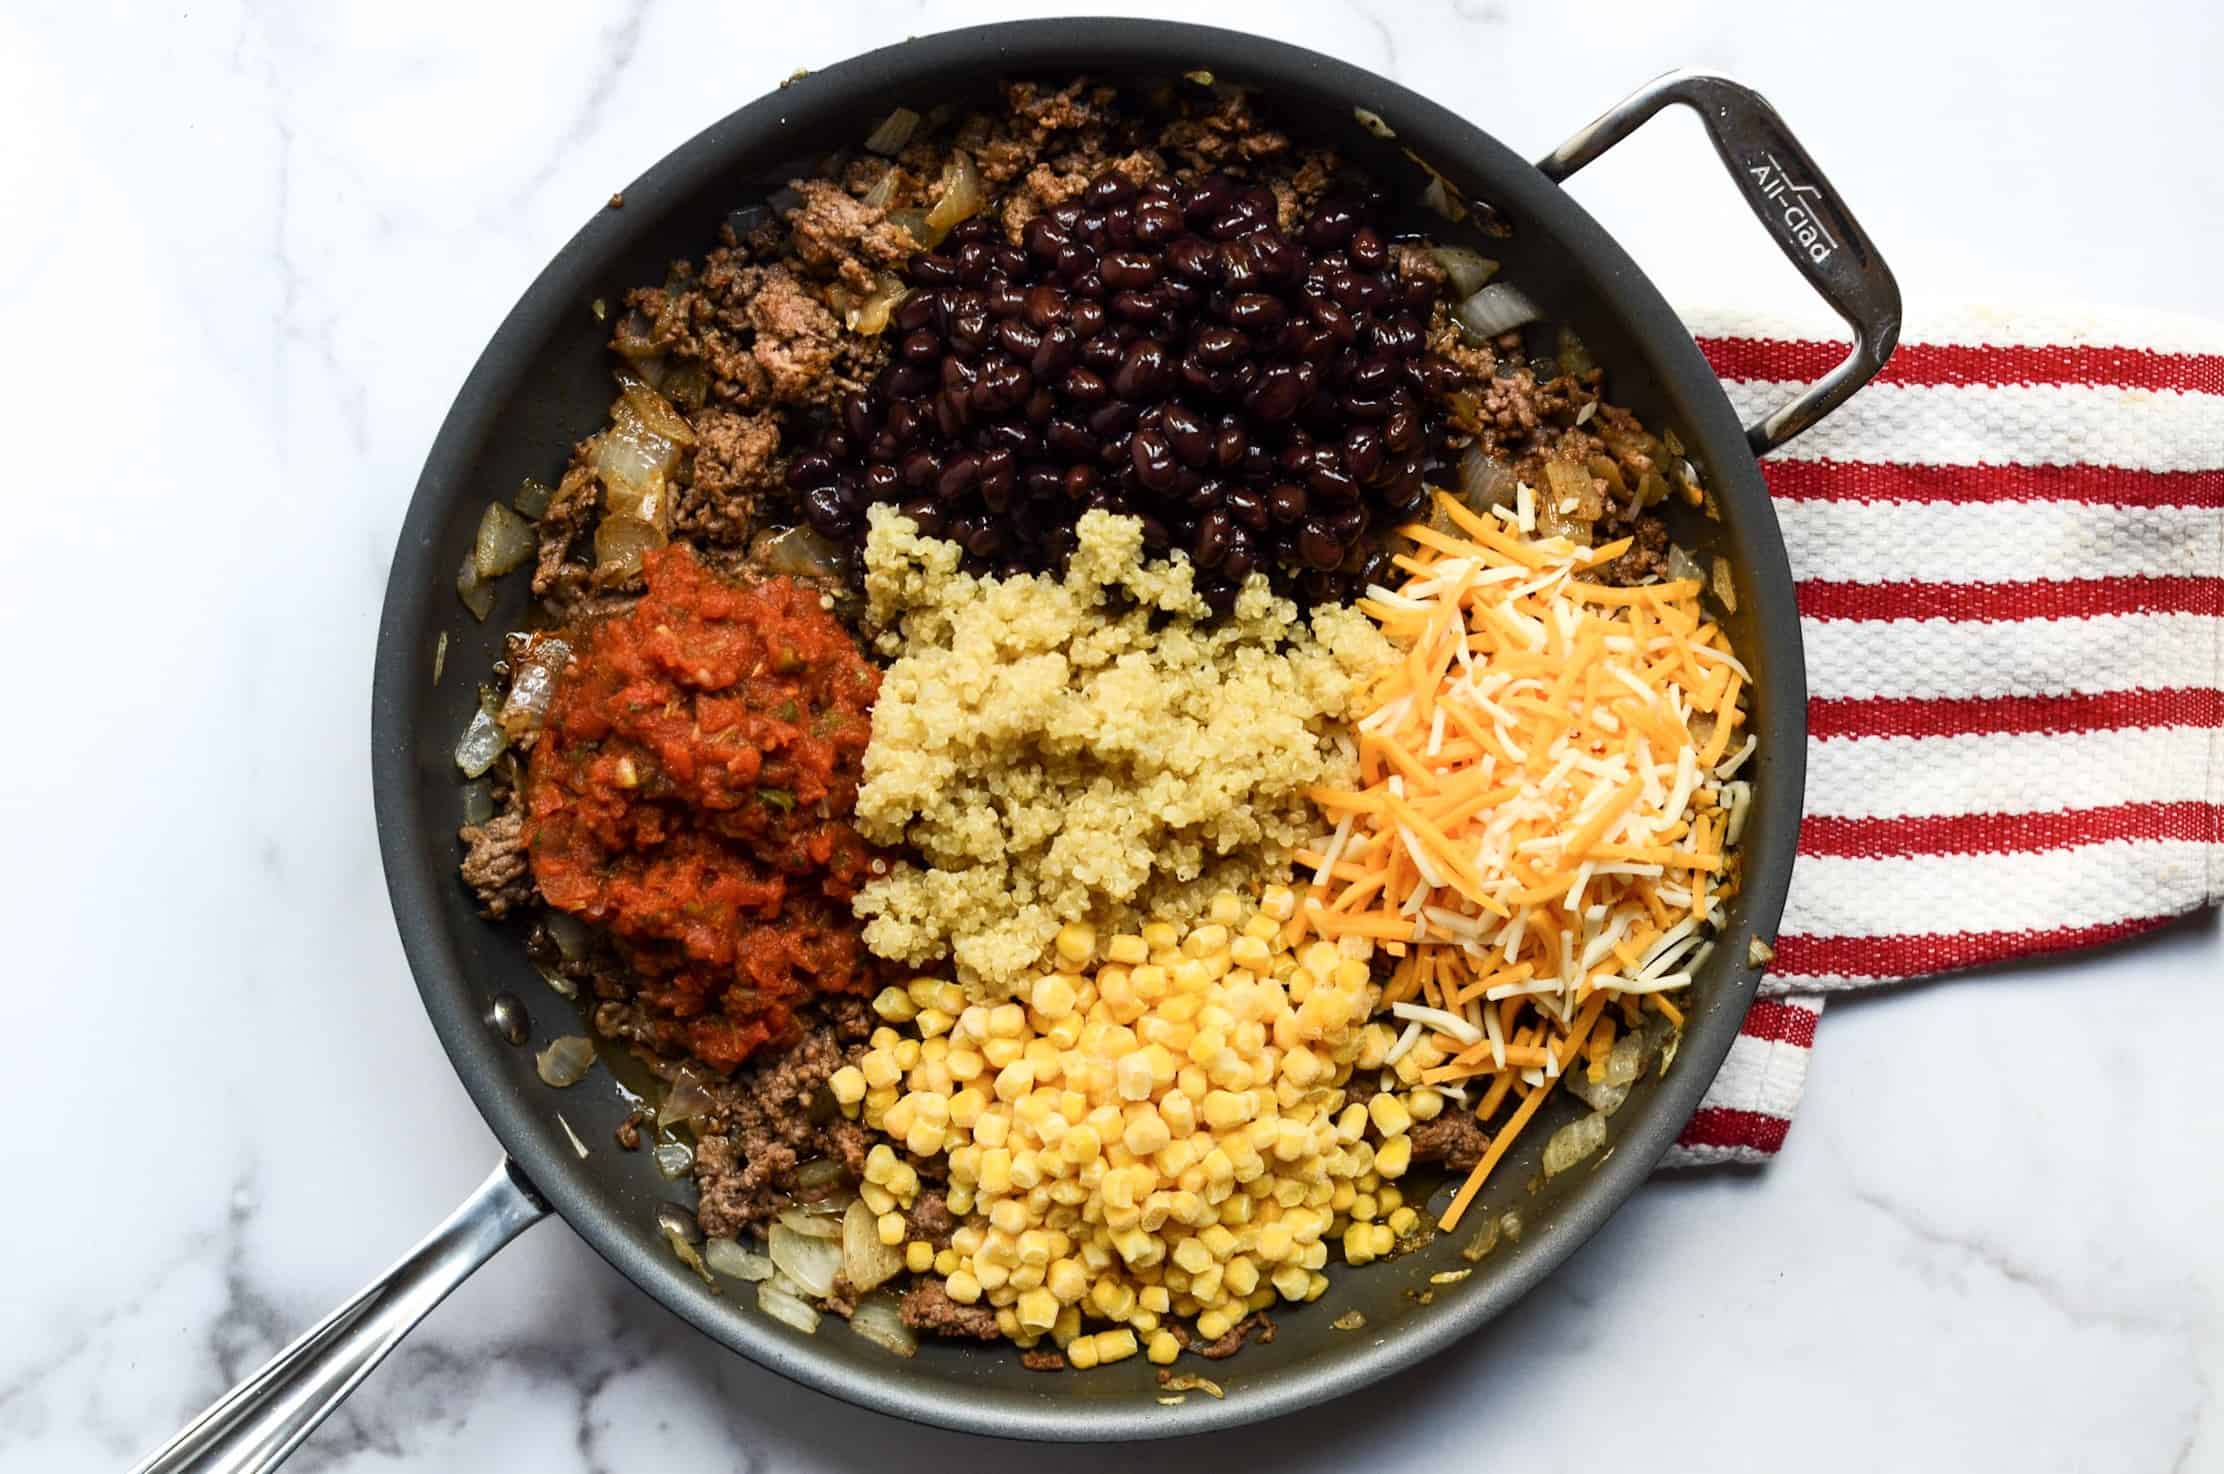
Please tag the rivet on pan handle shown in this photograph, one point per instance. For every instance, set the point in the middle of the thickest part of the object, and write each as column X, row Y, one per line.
column 1804, row 215
column 254, row 1426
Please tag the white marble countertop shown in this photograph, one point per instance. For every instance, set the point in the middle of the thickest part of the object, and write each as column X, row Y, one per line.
column 1991, row 1242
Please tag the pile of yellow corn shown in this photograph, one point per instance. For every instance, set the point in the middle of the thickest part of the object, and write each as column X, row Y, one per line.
column 1162, row 1126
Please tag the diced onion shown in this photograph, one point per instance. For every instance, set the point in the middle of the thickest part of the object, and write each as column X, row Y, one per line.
column 478, row 802
column 1443, row 199
column 533, row 686
column 961, row 197
column 893, row 132
column 869, row 314
column 824, row 1172
column 1626, row 1060
column 810, row 1225
column 620, row 545
column 1573, row 1142
column 532, row 498
column 656, row 412
column 883, row 191
column 1681, row 565
column 736, row 1260
column 798, row 551
column 1497, row 308
column 1603, row 1098
column 505, row 540
column 477, row 595
column 684, row 1102
column 569, row 934
column 880, row 1321
column 787, row 1309
column 913, row 221
column 867, row 1263
column 688, row 1254
column 1469, row 270
column 1373, row 123
column 565, row 1061
column 673, row 1159
column 1486, row 480
column 811, row 1262
column 482, row 742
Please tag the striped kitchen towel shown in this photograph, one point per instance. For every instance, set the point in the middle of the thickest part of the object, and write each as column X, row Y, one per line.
column 2010, row 558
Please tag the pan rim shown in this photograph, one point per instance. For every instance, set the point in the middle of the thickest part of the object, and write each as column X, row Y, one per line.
column 407, row 837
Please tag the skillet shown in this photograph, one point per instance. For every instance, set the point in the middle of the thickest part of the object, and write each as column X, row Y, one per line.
column 543, row 382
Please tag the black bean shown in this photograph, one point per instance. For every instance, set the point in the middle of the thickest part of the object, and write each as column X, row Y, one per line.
column 1208, row 196
column 1084, row 387
column 1368, row 250
column 928, row 270
column 1087, row 286
column 1211, row 544
column 1136, row 307
column 950, row 415
column 1044, row 238
column 1144, row 371
column 1124, row 269
column 1363, row 454
column 1157, row 221
column 1332, row 225
column 1190, row 436
column 1193, row 259
column 1041, row 405
column 827, row 514
column 1249, row 508
column 908, row 380
column 1229, row 445
column 1045, row 305
column 922, row 346
column 1218, row 347
column 1108, row 189
column 1068, row 438
column 915, row 312
column 883, row 481
column 1087, row 318
column 1374, row 377
column 1074, row 260
column 1286, row 504
column 957, row 478
column 1155, row 466
column 1109, row 421
column 1257, row 313
column 1318, row 546
column 1079, row 482
column 812, row 468
column 1276, row 395
column 1017, row 338
column 1401, row 430
column 1103, row 353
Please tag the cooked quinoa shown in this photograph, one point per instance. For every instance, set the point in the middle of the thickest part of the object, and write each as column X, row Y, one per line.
column 1085, row 749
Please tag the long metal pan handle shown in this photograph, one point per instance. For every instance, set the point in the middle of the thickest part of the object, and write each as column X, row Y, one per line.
column 1807, row 219
column 258, row 1423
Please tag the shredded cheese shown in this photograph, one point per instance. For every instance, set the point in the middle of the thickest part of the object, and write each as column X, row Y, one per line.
column 1544, row 813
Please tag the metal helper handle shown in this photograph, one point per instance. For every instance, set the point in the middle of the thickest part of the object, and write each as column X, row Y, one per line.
column 1806, row 217
column 257, row 1424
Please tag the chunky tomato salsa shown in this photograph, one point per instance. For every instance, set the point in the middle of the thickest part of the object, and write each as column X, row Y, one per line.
column 691, row 793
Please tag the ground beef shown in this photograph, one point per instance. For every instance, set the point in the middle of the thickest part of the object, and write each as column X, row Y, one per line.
column 928, row 1309
column 931, row 1219
column 1647, row 558
column 495, row 865
column 765, row 1121
column 1258, row 1323
column 1229, row 135
column 1042, row 1359
column 840, row 237
column 1455, row 1139
column 737, row 461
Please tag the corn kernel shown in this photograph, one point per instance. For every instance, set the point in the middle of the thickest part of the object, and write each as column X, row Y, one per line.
column 1076, row 943
column 1081, row 1353
column 1359, row 1244
column 963, row 1287
column 919, row 1256
column 1067, row 1280
column 1403, row 1221
column 1389, row 1114
column 1213, row 1324
column 895, row 1005
column 1036, row 1309
column 1394, row 1156
column 1425, row 1104
column 1162, row 1349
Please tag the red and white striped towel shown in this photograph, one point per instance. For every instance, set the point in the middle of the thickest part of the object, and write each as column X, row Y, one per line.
column 2010, row 558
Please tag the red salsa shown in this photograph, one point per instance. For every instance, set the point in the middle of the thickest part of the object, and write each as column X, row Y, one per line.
column 691, row 793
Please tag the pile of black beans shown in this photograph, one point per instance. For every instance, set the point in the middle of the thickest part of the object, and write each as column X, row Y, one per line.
column 1261, row 400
